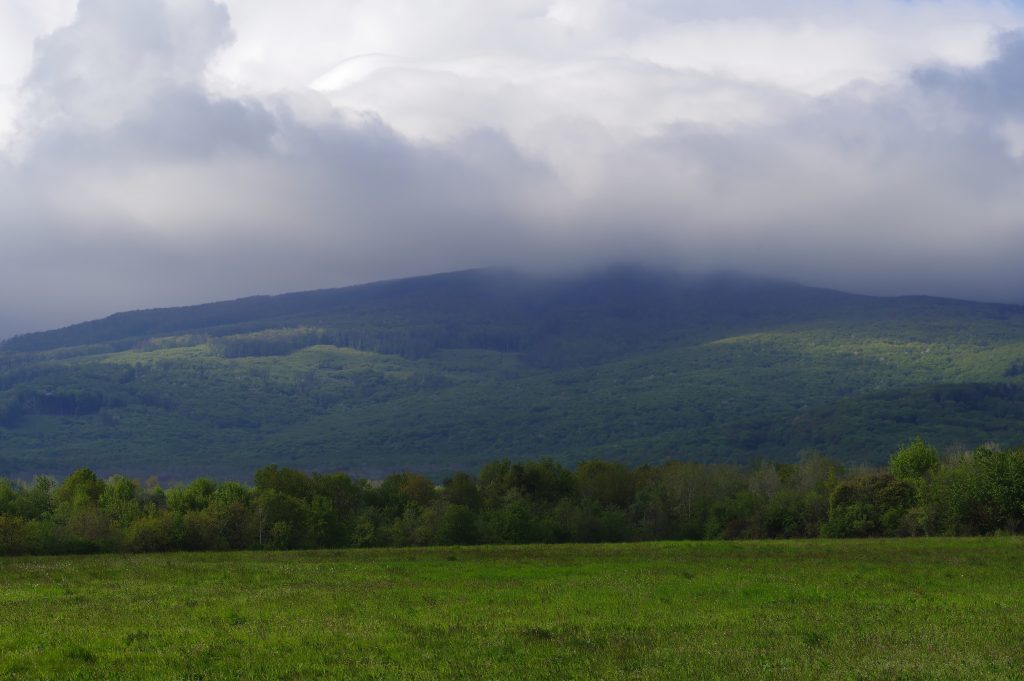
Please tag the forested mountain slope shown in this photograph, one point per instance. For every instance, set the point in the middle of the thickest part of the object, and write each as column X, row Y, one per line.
column 450, row 371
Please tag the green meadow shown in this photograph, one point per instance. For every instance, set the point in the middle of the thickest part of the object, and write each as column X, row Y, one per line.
column 842, row 609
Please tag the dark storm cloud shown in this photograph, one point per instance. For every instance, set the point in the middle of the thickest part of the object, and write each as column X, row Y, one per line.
column 133, row 186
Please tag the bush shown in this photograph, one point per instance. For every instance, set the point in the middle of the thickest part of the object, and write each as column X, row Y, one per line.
column 850, row 520
column 868, row 504
column 281, row 536
column 14, row 536
column 458, row 526
column 154, row 533
column 914, row 461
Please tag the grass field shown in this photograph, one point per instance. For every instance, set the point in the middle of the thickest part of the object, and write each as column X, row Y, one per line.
column 886, row 609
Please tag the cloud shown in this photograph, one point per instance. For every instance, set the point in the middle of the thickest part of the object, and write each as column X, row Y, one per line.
column 173, row 152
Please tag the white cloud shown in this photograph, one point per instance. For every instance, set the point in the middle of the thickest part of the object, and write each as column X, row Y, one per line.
column 21, row 23
column 402, row 59
column 534, row 68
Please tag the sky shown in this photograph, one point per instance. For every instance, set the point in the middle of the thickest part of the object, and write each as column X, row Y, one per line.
column 166, row 152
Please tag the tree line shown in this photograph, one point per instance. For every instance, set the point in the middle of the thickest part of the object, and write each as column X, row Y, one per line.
column 978, row 492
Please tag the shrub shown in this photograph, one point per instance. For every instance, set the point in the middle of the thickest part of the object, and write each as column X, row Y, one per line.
column 154, row 533
column 914, row 461
column 14, row 536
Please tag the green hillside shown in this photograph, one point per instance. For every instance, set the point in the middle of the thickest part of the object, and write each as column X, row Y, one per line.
column 450, row 371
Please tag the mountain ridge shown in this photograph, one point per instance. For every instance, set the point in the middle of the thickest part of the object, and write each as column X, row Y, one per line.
column 445, row 372
column 24, row 341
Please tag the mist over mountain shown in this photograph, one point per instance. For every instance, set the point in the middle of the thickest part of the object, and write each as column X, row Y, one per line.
column 159, row 153
column 533, row 307
column 155, row 154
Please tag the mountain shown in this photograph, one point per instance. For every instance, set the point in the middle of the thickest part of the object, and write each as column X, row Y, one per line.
column 450, row 371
